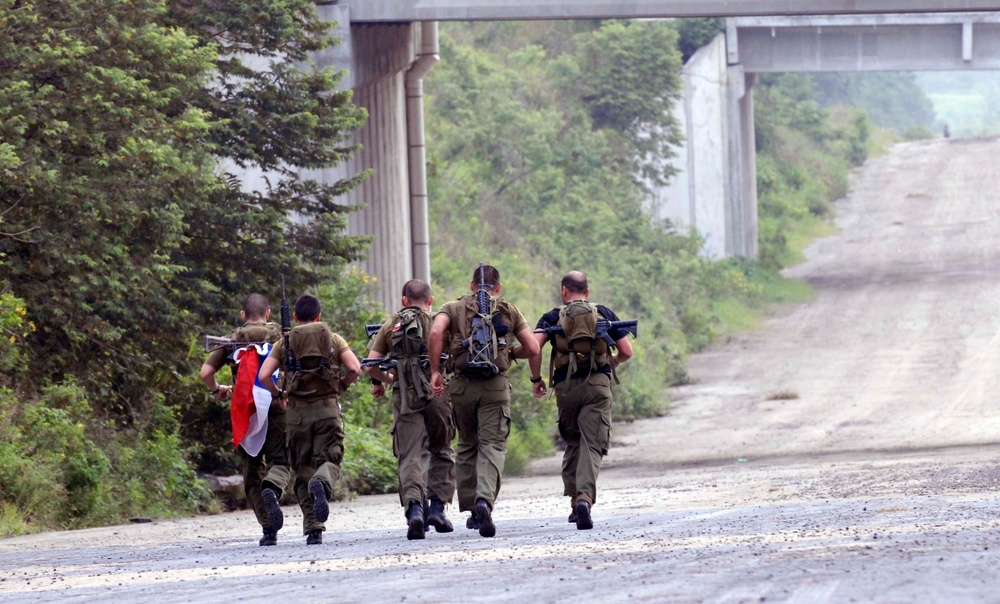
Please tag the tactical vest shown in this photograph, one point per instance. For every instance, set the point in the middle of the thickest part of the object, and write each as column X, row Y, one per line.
column 408, row 345
column 500, row 320
column 317, row 367
column 579, row 347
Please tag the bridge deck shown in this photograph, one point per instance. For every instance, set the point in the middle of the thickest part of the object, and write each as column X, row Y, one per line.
column 370, row 11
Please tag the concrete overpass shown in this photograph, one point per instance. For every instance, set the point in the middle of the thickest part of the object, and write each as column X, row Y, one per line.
column 373, row 11
column 389, row 45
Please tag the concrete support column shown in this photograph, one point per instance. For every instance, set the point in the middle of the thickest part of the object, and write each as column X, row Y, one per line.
column 380, row 56
column 745, row 243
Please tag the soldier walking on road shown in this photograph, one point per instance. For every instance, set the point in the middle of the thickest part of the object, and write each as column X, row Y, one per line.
column 422, row 423
column 477, row 330
column 582, row 367
column 311, row 388
column 265, row 473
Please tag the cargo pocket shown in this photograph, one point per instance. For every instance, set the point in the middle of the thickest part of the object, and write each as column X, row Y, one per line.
column 504, row 423
column 604, row 436
column 456, row 386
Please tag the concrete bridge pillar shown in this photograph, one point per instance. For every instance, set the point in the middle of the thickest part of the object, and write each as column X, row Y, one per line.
column 386, row 63
column 715, row 189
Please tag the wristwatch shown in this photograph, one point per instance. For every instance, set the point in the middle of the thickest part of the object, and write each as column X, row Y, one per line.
column 535, row 380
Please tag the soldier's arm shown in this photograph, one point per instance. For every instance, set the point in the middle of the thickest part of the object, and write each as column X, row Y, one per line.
column 267, row 370
column 352, row 367
column 435, row 344
column 624, row 353
column 535, row 364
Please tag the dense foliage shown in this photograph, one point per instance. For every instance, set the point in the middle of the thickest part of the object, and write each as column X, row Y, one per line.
column 892, row 100
column 125, row 127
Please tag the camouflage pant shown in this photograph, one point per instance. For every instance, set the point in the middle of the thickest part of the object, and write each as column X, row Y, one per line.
column 421, row 441
column 316, row 450
column 482, row 416
column 585, row 424
column 269, row 469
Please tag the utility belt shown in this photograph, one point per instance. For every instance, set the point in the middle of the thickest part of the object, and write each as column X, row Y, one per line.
column 328, row 401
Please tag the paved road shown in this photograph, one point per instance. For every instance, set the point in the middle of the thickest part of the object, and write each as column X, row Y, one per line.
column 880, row 482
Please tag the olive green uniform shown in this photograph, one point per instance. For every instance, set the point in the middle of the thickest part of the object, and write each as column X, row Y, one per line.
column 584, row 402
column 584, row 405
column 314, row 424
column 268, row 469
column 481, row 408
column 422, row 432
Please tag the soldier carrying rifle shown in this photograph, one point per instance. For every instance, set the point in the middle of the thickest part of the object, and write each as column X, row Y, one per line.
column 422, row 423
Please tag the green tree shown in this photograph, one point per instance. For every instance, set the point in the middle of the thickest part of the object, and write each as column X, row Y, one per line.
column 629, row 76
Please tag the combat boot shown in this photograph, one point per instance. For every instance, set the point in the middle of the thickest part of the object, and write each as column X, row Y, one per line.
column 415, row 520
column 321, row 508
column 472, row 522
column 315, row 537
column 572, row 516
column 270, row 538
column 484, row 514
column 436, row 517
column 274, row 516
column 583, row 520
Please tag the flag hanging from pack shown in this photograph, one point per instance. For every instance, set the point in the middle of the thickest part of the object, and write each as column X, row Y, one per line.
column 251, row 401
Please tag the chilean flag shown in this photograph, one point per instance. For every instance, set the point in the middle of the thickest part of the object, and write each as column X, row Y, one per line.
column 251, row 400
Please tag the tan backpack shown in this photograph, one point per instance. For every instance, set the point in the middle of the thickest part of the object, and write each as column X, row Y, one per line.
column 579, row 346
column 482, row 352
column 317, row 368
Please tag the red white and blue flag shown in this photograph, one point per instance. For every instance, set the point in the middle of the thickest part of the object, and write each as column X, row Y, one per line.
column 251, row 401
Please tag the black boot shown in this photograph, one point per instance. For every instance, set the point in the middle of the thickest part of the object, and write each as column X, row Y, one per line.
column 415, row 520
column 321, row 509
column 436, row 517
column 274, row 516
column 315, row 537
column 270, row 537
column 472, row 522
column 485, row 516
column 583, row 520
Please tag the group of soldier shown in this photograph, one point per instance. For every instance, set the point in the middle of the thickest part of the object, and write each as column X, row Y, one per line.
column 437, row 388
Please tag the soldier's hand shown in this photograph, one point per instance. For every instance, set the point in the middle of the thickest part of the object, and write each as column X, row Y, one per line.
column 539, row 389
column 437, row 382
column 223, row 393
column 283, row 403
column 378, row 390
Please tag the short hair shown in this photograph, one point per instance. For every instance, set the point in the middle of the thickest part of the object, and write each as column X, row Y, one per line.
column 307, row 308
column 575, row 282
column 255, row 306
column 491, row 276
column 417, row 291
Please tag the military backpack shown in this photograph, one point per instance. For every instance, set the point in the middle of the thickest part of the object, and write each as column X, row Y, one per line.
column 409, row 348
column 579, row 347
column 317, row 368
column 480, row 347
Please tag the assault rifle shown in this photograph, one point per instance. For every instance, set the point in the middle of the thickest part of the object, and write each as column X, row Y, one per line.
column 387, row 363
column 482, row 342
column 291, row 363
column 216, row 342
column 603, row 326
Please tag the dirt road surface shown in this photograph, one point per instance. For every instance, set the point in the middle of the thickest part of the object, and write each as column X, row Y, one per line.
column 880, row 482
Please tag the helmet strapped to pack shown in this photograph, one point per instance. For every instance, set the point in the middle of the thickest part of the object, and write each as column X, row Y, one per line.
column 317, row 371
column 579, row 344
column 409, row 348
